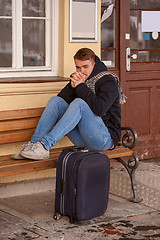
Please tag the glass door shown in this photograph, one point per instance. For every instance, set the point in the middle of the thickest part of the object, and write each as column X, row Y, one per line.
column 140, row 71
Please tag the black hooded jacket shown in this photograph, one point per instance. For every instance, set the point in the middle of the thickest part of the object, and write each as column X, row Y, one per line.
column 104, row 102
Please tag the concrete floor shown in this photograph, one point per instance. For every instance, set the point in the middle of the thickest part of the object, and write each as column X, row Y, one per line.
column 31, row 216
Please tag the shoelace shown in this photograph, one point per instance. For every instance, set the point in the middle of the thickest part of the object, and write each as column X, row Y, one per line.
column 35, row 146
column 27, row 144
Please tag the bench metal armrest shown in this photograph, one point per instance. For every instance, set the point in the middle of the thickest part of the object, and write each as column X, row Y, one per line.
column 130, row 138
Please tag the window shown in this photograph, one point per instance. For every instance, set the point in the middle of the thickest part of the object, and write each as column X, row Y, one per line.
column 28, row 37
column 83, row 29
column 144, row 28
column 108, row 48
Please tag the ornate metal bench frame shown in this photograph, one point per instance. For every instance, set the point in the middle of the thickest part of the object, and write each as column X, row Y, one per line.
column 129, row 140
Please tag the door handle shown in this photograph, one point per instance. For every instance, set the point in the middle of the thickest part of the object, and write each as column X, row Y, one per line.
column 128, row 58
column 128, row 61
column 134, row 56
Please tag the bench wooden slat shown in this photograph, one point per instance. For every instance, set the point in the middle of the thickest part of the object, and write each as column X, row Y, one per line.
column 18, row 124
column 118, row 152
column 11, row 162
column 21, row 113
column 10, row 166
column 19, row 136
column 27, row 167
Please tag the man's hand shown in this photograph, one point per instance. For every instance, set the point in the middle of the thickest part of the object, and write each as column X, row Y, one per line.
column 77, row 78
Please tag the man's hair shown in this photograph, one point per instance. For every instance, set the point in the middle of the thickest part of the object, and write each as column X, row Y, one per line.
column 84, row 54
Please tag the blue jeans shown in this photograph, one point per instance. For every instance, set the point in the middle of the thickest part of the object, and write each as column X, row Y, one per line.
column 75, row 120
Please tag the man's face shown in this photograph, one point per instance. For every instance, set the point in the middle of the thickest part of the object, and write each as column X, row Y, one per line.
column 85, row 67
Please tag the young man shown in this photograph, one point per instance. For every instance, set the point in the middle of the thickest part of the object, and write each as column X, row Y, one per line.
column 87, row 110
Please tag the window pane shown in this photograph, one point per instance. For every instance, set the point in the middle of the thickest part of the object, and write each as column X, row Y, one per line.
column 33, row 8
column 149, row 56
column 5, row 7
column 108, row 56
column 107, row 2
column 33, row 42
column 149, row 4
column 6, row 43
column 133, row 4
column 108, row 31
column 133, row 29
column 146, row 40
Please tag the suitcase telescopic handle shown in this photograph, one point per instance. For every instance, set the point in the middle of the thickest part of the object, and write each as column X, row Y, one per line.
column 80, row 149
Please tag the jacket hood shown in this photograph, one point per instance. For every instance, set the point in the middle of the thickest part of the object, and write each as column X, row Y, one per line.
column 99, row 67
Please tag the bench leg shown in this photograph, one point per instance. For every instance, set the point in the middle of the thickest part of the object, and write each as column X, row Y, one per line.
column 131, row 167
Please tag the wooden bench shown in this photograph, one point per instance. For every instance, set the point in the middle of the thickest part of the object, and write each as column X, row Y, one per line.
column 19, row 125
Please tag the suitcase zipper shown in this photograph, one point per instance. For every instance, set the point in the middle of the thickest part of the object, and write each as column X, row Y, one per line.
column 64, row 164
column 73, row 191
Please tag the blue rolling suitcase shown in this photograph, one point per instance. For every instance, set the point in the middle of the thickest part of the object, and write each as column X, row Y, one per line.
column 82, row 184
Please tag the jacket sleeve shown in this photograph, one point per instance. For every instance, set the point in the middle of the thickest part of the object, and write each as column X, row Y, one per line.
column 106, row 93
column 67, row 93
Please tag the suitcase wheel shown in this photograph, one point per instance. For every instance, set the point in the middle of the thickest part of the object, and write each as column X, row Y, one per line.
column 57, row 216
column 72, row 220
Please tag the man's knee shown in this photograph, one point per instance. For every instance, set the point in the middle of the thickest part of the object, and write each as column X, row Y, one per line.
column 79, row 101
column 52, row 100
column 56, row 100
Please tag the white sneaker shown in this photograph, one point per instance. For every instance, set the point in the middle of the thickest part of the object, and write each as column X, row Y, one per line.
column 17, row 156
column 26, row 147
column 37, row 152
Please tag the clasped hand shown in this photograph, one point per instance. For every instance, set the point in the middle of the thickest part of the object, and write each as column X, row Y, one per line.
column 77, row 78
